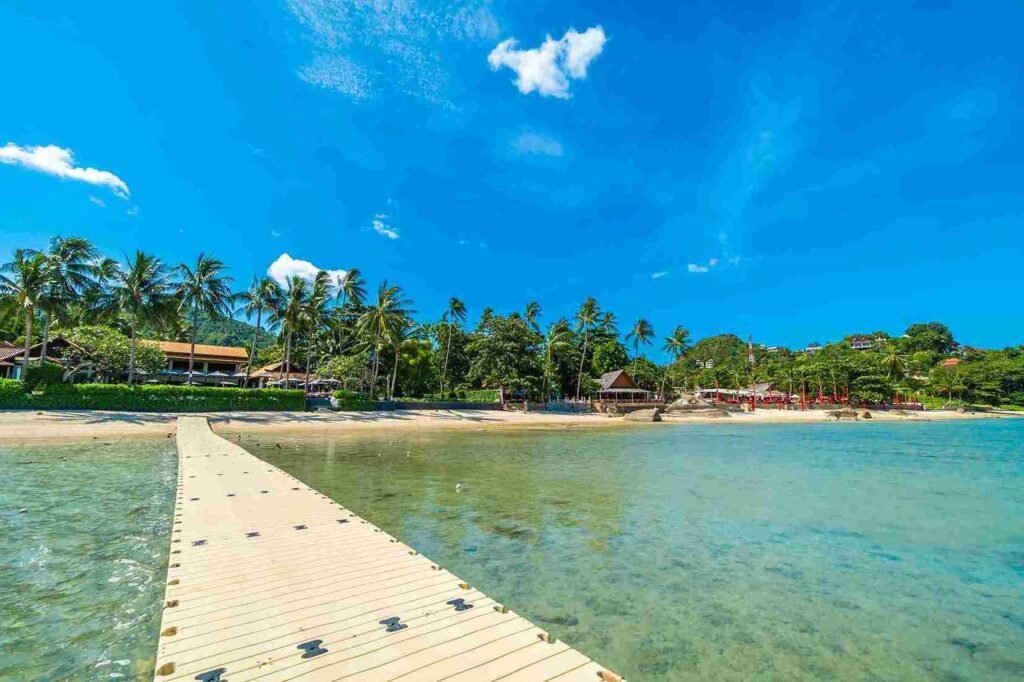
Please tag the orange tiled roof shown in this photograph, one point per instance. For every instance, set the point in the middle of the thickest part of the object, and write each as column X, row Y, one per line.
column 179, row 348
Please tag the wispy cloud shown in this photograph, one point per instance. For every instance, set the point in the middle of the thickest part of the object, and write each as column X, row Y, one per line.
column 134, row 210
column 537, row 143
column 286, row 267
column 380, row 225
column 60, row 162
column 275, row 234
column 547, row 69
column 99, row 202
column 659, row 274
column 695, row 268
column 367, row 47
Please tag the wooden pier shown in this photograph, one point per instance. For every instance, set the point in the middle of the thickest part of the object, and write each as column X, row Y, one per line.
column 270, row 580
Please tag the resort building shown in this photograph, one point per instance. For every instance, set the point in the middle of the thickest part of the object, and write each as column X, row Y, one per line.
column 618, row 386
column 812, row 349
column 274, row 375
column 213, row 365
column 12, row 357
column 861, row 342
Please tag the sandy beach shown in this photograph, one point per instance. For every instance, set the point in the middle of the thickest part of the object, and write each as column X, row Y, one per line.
column 81, row 425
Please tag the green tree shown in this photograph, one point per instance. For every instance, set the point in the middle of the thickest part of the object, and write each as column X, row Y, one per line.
column 506, row 354
column 23, row 283
column 314, row 316
column 556, row 341
column 141, row 291
column 290, row 316
column 586, row 319
column 379, row 325
column 203, row 288
column 641, row 335
column 263, row 295
column 107, row 352
column 352, row 288
column 894, row 362
column 453, row 316
column 70, row 266
column 608, row 356
column 531, row 315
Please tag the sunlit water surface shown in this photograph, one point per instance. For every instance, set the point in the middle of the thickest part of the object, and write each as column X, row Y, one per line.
column 839, row 551
column 83, row 548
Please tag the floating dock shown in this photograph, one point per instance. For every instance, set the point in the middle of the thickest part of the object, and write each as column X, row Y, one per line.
column 270, row 580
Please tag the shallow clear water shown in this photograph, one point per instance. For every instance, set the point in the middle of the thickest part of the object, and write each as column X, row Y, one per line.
column 852, row 551
column 82, row 568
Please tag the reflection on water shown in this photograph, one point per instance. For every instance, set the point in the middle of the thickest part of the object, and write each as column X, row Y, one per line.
column 853, row 551
column 83, row 544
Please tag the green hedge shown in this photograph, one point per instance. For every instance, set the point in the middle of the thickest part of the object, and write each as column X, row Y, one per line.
column 41, row 374
column 486, row 395
column 149, row 398
column 13, row 395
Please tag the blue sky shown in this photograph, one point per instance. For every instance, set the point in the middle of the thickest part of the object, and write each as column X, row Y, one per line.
column 794, row 171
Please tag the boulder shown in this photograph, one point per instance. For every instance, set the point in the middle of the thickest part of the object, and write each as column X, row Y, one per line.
column 845, row 413
column 865, row 415
column 652, row 415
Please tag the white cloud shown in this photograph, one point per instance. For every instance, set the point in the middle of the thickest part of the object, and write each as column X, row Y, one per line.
column 275, row 234
column 659, row 274
column 381, row 226
column 693, row 267
column 286, row 267
column 363, row 48
column 99, row 202
column 548, row 68
column 536, row 143
column 54, row 160
column 134, row 210
column 713, row 262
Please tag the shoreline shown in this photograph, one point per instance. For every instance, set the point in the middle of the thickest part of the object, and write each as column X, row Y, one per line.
column 62, row 426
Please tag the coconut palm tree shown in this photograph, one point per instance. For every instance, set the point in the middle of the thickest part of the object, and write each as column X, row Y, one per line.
column 203, row 288
column 314, row 314
column 640, row 335
column 586, row 318
column 607, row 324
column 675, row 346
column 377, row 326
column 290, row 315
column 69, row 276
column 531, row 314
column 352, row 288
column 455, row 314
column 894, row 363
column 557, row 339
column 678, row 343
column 23, row 284
column 141, row 291
column 263, row 295
column 403, row 332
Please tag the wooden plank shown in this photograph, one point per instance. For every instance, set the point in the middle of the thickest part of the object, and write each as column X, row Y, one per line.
column 261, row 563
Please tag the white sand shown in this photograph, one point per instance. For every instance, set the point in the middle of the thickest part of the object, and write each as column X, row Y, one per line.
column 83, row 425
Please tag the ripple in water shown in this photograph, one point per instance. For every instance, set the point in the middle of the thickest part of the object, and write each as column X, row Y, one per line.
column 82, row 569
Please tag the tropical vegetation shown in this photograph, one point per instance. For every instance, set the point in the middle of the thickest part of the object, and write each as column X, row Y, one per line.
column 379, row 348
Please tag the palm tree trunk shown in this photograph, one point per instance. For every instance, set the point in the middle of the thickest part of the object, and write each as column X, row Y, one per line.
column 376, row 369
column 579, row 376
column 192, row 347
column 255, row 339
column 46, row 336
column 131, row 357
column 309, row 358
column 447, row 354
column 394, row 377
column 29, row 314
column 287, row 357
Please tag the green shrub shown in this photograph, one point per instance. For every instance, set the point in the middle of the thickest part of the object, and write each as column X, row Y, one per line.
column 39, row 374
column 150, row 398
column 487, row 395
column 13, row 395
column 343, row 394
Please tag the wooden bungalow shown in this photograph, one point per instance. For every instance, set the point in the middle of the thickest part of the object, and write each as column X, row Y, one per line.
column 619, row 389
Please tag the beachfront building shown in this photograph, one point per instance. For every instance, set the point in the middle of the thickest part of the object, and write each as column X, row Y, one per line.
column 212, row 366
column 12, row 357
column 619, row 387
column 274, row 375
column 763, row 393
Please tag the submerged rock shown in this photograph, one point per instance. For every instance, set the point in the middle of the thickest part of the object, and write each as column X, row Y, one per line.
column 651, row 415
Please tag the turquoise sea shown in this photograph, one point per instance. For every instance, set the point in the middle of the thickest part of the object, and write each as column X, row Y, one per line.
column 666, row 552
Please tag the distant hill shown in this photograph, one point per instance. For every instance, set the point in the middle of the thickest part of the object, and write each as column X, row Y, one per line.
column 230, row 332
